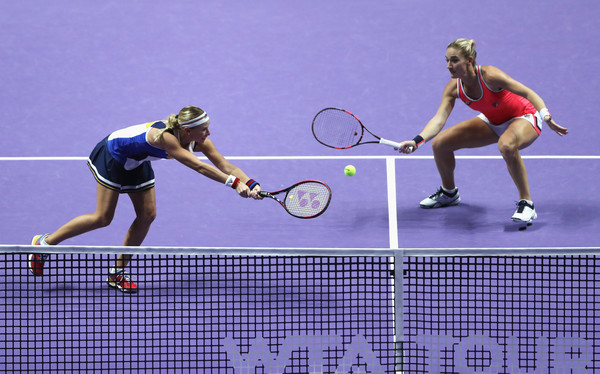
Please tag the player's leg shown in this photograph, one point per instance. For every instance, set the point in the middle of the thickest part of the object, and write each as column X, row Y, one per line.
column 471, row 133
column 519, row 135
column 144, row 204
column 106, row 202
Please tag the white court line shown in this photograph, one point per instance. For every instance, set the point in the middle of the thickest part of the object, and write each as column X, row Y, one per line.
column 390, row 166
column 352, row 157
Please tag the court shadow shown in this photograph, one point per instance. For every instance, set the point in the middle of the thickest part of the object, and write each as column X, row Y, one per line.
column 464, row 217
column 58, row 287
column 81, row 287
column 523, row 227
column 361, row 216
column 580, row 214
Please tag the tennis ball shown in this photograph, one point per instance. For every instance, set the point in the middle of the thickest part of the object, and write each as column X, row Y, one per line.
column 349, row 170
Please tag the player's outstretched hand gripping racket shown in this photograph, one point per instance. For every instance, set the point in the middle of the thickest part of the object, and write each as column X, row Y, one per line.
column 306, row 199
column 340, row 129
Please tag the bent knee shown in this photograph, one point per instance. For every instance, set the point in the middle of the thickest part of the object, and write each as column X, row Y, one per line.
column 147, row 217
column 507, row 149
column 102, row 220
column 445, row 143
column 439, row 142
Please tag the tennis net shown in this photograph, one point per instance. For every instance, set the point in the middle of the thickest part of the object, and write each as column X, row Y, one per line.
column 197, row 312
column 302, row 310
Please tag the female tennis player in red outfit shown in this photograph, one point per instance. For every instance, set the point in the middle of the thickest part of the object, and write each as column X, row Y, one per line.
column 120, row 163
column 511, row 116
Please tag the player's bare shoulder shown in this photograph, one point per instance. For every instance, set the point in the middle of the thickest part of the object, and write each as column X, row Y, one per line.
column 494, row 77
column 451, row 90
column 162, row 139
column 489, row 70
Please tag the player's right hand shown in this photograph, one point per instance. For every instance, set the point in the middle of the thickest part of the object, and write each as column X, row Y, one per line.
column 255, row 193
column 408, row 146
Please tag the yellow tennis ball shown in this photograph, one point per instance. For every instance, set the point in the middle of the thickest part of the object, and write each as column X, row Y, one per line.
column 349, row 170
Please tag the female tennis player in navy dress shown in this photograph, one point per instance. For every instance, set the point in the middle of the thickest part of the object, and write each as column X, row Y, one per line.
column 121, row 164
column 511, row 115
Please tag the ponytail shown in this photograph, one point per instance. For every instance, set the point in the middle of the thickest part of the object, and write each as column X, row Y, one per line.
column 171, row 124
column 185, row 114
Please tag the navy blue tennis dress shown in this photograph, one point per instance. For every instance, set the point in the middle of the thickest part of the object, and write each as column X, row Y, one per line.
column 121, row 161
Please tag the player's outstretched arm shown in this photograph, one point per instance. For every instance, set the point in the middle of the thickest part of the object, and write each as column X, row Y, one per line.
column 171, row 145
column 435, row 124
column 209, row 149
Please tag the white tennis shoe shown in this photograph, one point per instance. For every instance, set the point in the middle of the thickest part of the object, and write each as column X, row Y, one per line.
column 525, row 212
column 441, row 199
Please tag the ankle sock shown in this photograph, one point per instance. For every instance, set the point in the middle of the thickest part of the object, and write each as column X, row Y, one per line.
column 449, row 192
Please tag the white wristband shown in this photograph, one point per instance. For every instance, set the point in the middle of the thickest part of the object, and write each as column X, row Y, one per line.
column 545, row 112
column 230, row 180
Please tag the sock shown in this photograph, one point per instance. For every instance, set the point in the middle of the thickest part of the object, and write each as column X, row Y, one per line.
column 449, row 192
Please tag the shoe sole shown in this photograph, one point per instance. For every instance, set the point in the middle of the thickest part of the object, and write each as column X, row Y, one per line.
column 523, row 221
column 116, row 287
column 438, row 205
column 35, row 239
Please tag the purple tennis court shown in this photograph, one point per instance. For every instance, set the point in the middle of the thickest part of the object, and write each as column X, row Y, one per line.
column 73, row 73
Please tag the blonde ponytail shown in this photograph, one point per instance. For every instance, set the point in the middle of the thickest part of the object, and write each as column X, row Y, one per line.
column 185, row 114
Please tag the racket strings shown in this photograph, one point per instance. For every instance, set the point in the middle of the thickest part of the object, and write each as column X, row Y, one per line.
column 337, row 128
column 307, row 199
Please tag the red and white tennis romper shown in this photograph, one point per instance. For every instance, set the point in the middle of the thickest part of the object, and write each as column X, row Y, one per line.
column 499, row 108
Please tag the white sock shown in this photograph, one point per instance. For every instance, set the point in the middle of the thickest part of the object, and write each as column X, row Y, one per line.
column 449, row 192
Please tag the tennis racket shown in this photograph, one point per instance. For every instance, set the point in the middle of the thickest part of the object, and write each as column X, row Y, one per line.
column 340, row 129
column 306, row 199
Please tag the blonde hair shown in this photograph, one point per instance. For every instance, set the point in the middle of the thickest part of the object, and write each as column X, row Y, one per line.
column 466, row 48
column 185, row 114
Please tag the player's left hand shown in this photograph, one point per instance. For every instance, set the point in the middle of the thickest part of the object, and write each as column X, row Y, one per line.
column 556, row 127
column 243, row 190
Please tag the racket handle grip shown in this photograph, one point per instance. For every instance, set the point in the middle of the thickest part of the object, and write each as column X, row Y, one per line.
column 390, row 143
column 264, row 194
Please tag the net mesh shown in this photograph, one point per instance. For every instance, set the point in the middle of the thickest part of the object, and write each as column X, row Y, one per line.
column 333, row 312
column 509, row 314
column 198, row 314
